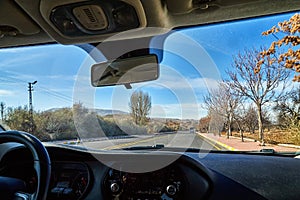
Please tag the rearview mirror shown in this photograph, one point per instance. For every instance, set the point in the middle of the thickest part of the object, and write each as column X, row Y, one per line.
column 125, row 71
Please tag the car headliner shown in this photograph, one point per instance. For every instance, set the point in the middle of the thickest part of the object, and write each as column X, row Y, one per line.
column 32, row 26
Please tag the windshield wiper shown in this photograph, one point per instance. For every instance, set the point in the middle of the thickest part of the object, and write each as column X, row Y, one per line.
column 269, row 152
column 164, row 148
column 157, row 146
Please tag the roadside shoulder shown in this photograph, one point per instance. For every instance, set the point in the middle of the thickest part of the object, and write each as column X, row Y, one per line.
column 225, row 146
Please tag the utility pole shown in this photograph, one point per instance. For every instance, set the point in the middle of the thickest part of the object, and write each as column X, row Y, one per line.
column 2, row 107
column 30, row 89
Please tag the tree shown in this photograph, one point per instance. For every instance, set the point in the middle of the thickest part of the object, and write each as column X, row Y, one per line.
column 18, row 118
column 223, row 102
column 217, row 122
column 239, row 120
column 289, row 110
column 58, row 123
column 250, row 119
column 261, row 86
column 139, row 107
column 204, row 124
column 87, row 122
column 290, row 58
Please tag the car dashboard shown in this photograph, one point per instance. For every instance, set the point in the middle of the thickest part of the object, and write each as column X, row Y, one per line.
column 77, row 174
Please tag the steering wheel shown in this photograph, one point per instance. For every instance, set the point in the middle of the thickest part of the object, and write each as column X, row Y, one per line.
column 10, row 187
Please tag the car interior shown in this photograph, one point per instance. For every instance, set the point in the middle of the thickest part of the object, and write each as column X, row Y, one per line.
column 124, row 31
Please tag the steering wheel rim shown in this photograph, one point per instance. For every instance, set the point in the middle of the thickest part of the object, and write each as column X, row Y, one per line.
column 42, row 164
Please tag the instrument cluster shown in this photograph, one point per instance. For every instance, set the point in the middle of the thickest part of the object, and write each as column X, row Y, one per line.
column 68, row 181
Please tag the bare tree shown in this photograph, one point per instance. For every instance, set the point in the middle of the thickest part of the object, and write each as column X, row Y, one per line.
column 250, row 119
column 239, row 119
column 246, row 119
column 217, row 122
column 223, row 102
column 140, row 106
column 239, row 122
column 289, row 110
column 261, row 86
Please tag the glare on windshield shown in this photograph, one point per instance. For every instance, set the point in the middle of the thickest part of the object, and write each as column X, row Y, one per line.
column 226, row 86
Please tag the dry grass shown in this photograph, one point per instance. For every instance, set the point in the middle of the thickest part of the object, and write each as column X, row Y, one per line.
column 275, row 136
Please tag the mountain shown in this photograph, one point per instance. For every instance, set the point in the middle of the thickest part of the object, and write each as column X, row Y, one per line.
column 104, row 112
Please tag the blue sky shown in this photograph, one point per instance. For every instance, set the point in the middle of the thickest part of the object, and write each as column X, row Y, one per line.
column 196, row 59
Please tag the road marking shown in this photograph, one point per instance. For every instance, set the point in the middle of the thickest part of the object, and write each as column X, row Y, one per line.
column 209, row 142
column 218, row 143
column 119, row 146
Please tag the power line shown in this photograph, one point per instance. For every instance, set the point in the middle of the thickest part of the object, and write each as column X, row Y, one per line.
column 67, row 100
column 57, row 95
column 50, row 92
column 54, row 93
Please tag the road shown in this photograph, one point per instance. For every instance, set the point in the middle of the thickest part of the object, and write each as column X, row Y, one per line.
column 182, row 139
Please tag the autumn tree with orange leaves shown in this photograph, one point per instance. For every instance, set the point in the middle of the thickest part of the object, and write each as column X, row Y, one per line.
column 288, row 44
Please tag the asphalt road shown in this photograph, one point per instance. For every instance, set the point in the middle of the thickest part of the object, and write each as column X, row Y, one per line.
column 182, row 139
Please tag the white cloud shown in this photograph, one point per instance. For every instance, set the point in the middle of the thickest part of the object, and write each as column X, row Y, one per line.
column 24, row 59
column 180, row 111
column 6, row 93
column 182, row 83
column 61, row 77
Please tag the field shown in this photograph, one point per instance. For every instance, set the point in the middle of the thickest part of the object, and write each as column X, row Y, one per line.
column 275, row 136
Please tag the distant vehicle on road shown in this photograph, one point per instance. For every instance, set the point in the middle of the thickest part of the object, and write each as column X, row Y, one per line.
column 192, row 130
column 73, row 142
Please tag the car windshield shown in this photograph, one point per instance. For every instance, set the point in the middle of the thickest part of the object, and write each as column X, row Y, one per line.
column 224, row 86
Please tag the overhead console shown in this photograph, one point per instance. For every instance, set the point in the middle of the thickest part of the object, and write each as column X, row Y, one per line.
column 85, row 21
column 94, row 17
